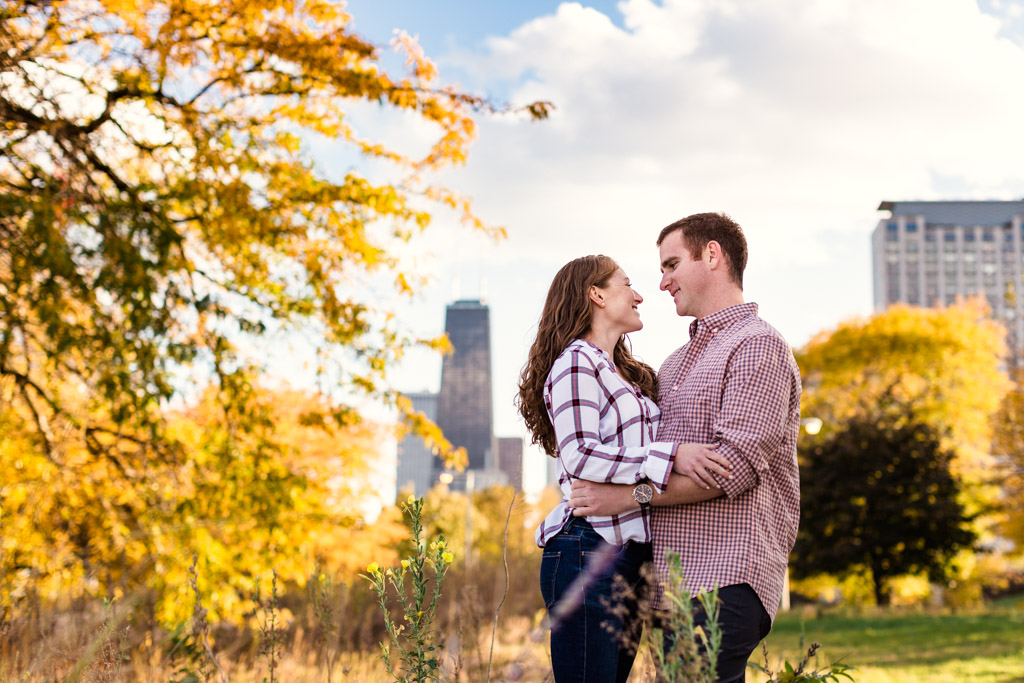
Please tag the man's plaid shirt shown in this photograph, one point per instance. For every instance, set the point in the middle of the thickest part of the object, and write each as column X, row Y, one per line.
column 605, row 431
column 735, row 384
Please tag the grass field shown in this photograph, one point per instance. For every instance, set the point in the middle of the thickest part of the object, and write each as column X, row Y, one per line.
column 910, row 647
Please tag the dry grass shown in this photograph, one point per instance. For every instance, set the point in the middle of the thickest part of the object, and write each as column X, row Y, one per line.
column 519, row 655
column 86, row 641
column 981, row 646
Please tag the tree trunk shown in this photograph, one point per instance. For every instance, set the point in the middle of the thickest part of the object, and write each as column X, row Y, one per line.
column 878, row 577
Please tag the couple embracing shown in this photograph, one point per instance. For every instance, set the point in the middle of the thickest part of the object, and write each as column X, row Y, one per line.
column 698, row 460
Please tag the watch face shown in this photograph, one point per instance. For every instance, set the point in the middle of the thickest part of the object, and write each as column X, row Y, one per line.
column 643, row 493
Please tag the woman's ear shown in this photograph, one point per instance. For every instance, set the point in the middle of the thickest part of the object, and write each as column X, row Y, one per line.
column 596, row 296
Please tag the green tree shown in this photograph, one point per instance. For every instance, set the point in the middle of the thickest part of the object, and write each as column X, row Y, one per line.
column 879, row 494
column 162, row 221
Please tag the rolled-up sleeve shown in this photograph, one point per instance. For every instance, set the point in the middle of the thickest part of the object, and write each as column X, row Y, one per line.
column 752, row 422
column 579, row 399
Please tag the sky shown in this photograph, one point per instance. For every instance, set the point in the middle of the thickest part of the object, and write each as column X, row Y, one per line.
column 796, row 117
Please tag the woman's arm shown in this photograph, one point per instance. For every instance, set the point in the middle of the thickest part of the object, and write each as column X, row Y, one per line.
column 578, row 396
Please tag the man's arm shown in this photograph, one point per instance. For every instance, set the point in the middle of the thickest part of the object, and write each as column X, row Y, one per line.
column 591, row 498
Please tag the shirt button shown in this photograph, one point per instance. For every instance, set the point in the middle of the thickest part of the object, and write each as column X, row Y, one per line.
column 714, row 329
column 674, row 387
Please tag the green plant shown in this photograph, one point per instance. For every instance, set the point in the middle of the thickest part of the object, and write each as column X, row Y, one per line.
column 270, row 631
column 107, row 651
column 195, row 644
column 414, row 640
column 682, row 650
column 321, row 599
column 693, row 655
column 831, row 673
column 691, row 652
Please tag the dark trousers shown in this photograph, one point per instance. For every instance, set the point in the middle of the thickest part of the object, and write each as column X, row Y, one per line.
column 576, row 580
column 744, row 623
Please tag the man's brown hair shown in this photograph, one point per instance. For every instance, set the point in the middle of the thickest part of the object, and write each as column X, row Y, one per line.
column 700, row 228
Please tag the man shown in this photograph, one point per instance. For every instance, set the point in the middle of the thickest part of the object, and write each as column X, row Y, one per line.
column 734, row 387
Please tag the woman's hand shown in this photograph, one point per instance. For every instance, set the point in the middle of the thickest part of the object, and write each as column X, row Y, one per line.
column 698, row 461
column 590, row 498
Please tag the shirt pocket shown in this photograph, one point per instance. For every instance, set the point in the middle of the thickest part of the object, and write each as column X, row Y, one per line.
column 702, row 399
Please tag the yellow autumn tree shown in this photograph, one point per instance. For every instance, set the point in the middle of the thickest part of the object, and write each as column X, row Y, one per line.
column 280, row 491
column 946, row 362
column 163, row 220
column 943, row 365
column 273, row 491
column 1009, row 450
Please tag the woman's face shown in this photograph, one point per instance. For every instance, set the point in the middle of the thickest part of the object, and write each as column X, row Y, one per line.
column 621, row 303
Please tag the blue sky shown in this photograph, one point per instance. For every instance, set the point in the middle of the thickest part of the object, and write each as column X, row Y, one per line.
column 445, row 25
column 797, row 117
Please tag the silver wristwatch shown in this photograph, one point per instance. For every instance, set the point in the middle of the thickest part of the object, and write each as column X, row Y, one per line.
column 643, row 493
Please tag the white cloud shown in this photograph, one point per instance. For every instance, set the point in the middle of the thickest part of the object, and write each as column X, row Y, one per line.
column 797, row 117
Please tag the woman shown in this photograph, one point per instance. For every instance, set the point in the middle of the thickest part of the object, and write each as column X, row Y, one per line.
column 590, row 404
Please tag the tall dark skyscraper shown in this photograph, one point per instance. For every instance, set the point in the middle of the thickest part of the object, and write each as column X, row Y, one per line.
column 464, row 404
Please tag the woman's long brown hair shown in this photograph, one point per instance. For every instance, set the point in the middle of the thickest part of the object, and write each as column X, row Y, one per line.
column 567, row 316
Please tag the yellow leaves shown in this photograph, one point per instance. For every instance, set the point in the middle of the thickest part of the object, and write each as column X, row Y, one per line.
column 464, row 208
column 219, row 506
column 402, row 284
column 417, row 61
column 288, row 141
column 417, row 423
column 943, row 361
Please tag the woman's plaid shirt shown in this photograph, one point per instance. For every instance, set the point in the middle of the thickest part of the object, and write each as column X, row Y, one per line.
column 605, row 428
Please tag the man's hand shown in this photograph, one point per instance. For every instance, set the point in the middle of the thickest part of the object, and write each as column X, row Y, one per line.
column 591, row 498
column 697, row 461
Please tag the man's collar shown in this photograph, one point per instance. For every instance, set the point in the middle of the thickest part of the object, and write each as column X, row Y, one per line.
column 723, row 318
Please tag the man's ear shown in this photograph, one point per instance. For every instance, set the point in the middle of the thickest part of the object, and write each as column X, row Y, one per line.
column 713, row 255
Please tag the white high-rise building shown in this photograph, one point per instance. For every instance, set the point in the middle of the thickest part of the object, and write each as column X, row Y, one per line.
column 934, row 253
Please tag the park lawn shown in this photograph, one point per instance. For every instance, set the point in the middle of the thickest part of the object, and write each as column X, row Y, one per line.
column 909, row 647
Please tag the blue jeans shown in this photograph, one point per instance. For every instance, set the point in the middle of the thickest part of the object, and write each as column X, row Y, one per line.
column 577, row 581
column 744, row 623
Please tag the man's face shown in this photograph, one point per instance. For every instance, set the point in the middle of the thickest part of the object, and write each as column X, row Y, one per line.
column 682, row 277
